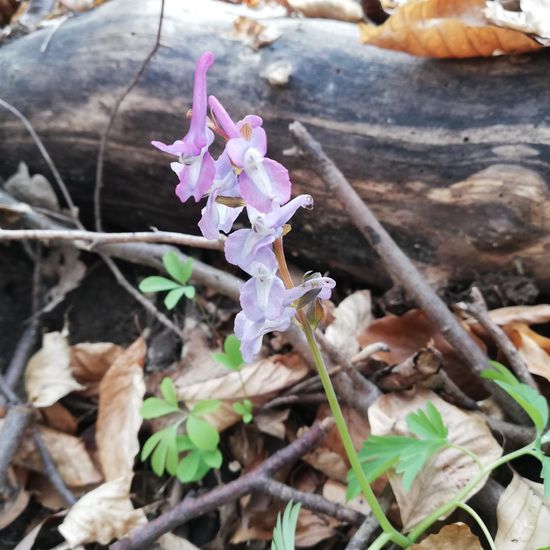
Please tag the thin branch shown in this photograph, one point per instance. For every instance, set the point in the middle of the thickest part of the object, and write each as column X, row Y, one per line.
column 105, row 135
column 144, row 537
column 97, row 239
column 477, row 308
column 294, row 399
column 398, row 265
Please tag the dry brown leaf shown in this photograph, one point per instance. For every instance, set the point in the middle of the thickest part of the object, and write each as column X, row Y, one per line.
column 351, row 318
column 450, row 470
column 56, row 416
column 272, row 422
column 102, row 515
column 262, row 380
column 169, row 541
column 439, row 28
column 11, row 508
column 118, row 420
column 341, row 10
column 523, row 516
column 456, row 536
column 48, row 377
column 328, row 462
column 533, row 348
column 336, row 492
column 407, row 334
column 45, row 493
column 521, row 314
column 68, row 453
column 90, row 361
column 253, row 33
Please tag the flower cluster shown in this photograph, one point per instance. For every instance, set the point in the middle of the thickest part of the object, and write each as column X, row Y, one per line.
column 242, row 177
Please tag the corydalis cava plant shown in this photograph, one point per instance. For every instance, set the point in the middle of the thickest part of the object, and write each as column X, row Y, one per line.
column 243, row 178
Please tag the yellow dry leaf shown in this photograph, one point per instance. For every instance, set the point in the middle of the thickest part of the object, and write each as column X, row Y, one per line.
column 262, row 380
column 48, row 377
column 521, row 314
column 439, row 28
column 449, row 471
column 523, row 516
column 456, row 536
column 102, row 515
column 533, row 348
column 68, row 453
column 118, row 419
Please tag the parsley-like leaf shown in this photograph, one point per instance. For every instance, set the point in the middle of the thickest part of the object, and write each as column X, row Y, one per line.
column 285, row 530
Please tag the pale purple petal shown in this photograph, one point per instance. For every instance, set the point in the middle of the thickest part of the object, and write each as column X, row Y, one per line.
column 242, row 245
column 279, row 215
column 223, row 118
column 217, row 217
column 196, row 177
column 178, row 148
column 264, row 258
column 323, row 285
column 263, row 297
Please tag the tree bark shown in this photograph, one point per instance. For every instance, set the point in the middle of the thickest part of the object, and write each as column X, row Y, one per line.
column 453, row 156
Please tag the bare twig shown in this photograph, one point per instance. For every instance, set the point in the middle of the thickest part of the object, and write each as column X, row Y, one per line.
column 514, row 436
column 294, row 399
column 477, row 308
column 105, row 135
column 143, row 537
column 50, row 469
column 13, row 430
column 96, row 239
column 398, row 265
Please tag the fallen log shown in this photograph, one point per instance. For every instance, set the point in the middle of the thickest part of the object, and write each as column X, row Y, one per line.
column 452, row 156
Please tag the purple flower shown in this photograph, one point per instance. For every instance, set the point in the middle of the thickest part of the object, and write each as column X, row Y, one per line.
column 218, row 217
column 242, row 245
column 195, row 166
column 262, row 181
column 250, row 333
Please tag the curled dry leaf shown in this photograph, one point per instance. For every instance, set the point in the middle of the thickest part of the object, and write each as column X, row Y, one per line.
column 439, row 28
column 90, row 361
column 262, row 380
column 253, row 33
column 13, row 506
column 56, row 416
column 521, row 314
column 68, row 453
column 533, row 17
column 523, row 516
column 533, row 348
column 450, row 470
column 456, row 536
column 48, row 377
column 341, row 10
column 118, row 420
column 102, row 515
column 272, row 422
column 351, row 318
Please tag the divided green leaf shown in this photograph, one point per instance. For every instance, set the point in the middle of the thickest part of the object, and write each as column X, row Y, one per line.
column 168, row 391
column 206, row 406
column 530, row 400
column 178, row 270
column 173, row 297
column 232, row 358
column 162, row 446
column 202, row 434
column 427, row 424
column 153, row 407
column 285, row 531
column 155, row 283
column 244, row 408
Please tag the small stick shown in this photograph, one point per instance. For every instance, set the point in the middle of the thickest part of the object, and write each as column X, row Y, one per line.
column 477, row 308
column 99, row 238
column 143, row 537
column 398, row 265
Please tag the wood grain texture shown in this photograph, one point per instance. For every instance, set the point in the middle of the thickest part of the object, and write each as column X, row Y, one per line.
column 453, row 156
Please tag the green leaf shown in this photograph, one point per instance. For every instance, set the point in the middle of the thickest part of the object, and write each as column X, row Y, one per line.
column 530, row 400
column 545, row 474
column 184, row 443
column 206, row 406
column 157, row 284
column 202, row 433
column 244, row 408
column 427, row 424
column 168, row 391
column 213, row 458
column 188, row 466
column 153, row 407
column 545, row 438
column 173, row 297
column 232, row 348
column 150, row 444
column 165, row 455
column 180, row 271
column 285, row 530
column 232, row 358
column 189, row 291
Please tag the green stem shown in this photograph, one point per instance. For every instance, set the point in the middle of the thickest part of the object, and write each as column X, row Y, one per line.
column 479, row 521
column 384, row 522
column 452, row 504
column 380, row 541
